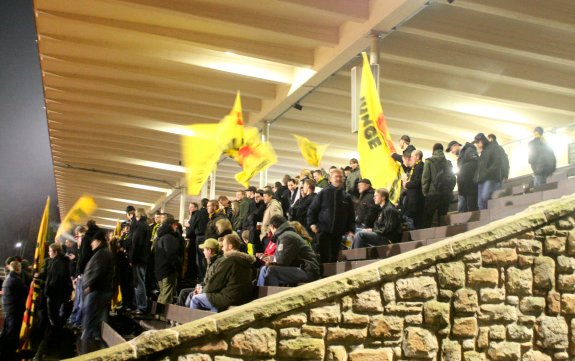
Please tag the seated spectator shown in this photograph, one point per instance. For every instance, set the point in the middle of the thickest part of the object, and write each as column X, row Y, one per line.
column 294, row 261
column 213, row 255
column 387, row 227
column 303, row 233
column 231, row 282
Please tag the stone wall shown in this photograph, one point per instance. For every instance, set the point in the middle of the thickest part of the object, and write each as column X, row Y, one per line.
column 505, row 292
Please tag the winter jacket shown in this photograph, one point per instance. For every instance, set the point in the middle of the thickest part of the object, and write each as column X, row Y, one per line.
column 504, row 160
column 332, row 211
column 231, row 283
column 212, row 264
column 169, row 252
column 58, row 283
column 322, row 183
column 199, row 222
column 189, row 230
column 85, row 252
column 298, row 211
column 99, row 272
column 366, row 210
column 541, row 157
column 294, row 251
column 14, row 293
column 244, row 207
column 140, row 242
column 388, row 223
column 399, row 157
column 467, row 162
column 429, row 179
column 273, row 208
column 351, row 182
column 414, row 199
column 211, row 230
column 489, row 166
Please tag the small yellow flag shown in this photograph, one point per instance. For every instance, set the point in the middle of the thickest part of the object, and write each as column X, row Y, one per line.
column 311, row 152
column 254, row 160
column 79, row 213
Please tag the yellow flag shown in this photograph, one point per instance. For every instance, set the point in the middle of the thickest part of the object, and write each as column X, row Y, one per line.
column 254, row 160
column 200, row 154
column 373, row 140
column 79, row 213
column 311, row 152
column 231, row 128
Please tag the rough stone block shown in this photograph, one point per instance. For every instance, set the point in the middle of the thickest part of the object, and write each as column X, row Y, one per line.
column 451, row 275
column 336, row 353
column 153, row 341
column 525, row 261
column 346, row 335
column 350, row 318
column 388, row 290
column 565, row 264
column 465, row 301
column 302, row 348
column 519, row 281
column 346, row 303
column 544, row 273
column 464, row 327
column 497, row 332
column 226, row 358
column 565, row 223
column 436, row 314
column 290, row 332
column 498, row 313
column 568, row 304
column 419, row 343
column 368, row 301
column 535, row 356
column 512, row 300
column 445, row 295
column 403, row 308
column 473, row 356
column 416, row 288
column 451, row 350
column 468, row 344
column 519, row 333
column 472, row 258
column 555, row 245
column 325, row 314
column 566, row 283
column 529, row 246
column 553, row 303
column 313, row 331
column 416, row 320
column 381, row 354
column 500, row 257
column 560, row 356
column 386, row 327
column 552, row 332
column 571, row 243
column 483, row 338
column 482, row 277
column 492, row 295
column 532, row 305
column 292, row 320
column 195, row 357
column 254, row 342
column 528, row 321
column 504, row 351
column 210, row 346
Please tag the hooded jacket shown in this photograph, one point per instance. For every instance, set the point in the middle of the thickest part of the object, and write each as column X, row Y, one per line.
column 211, row 230
column 332, row 211
column 140, row 242
column 231, row 282
column 85, row 251
column 99, row 272
column 169, row 252
column 212, row 264
column 366, row 210
column 58, row 283
column 467, row 162
column 294, row 251
column 489, row 165
column 541, row 157
column 351, row 182
column 431, row 169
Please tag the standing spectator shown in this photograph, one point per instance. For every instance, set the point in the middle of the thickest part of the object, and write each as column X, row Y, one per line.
column 320, row 181
column 291, row 193
column 139, row 253
column 295, row 261
column 352, row 180
column 405, row 147
column 467, row 160
column 299, row 210
column 214, row 215
column 190, row 267
column 14, row 293
column 541, row 158
column 387, row 226
column 57, row 288
column 273, row 207
column 124, row 271
column 414, row 201
column 72, row 255
column 437, row 183
column 97, row 287
column 366, row 210
column 198, row 225
column 254, row 219
column 169, row 252
column 225, row 206
column 489, row 170
column 330, row 216
column 243, row 209
column 502, row 155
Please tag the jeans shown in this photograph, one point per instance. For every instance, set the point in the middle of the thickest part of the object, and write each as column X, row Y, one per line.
column 368, row 239
column 76, row 315
column 484, row 192
column 262, row 276
column 140, row 287
column 467, row 203
column 201, row 302
column 94, row 312
column 277, row 275
column 409, row 222
column 539, row 180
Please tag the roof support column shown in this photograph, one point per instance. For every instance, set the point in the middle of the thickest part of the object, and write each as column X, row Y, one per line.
column 213, row 185
column 265, row 138
column 183, row 199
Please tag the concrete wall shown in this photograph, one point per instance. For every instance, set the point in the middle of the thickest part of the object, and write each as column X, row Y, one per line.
column 505, row 291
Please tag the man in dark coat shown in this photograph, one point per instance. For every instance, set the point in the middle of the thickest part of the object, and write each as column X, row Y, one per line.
column 139, row 252
column 489, row 170
column 298, row 211
column 366, row 210
column 58, row 286
column 291, row 193
column 330, row 216
column 169, row 252
column 467, row 160
column 84, row 254
column 405, row 147
column 387, row 226
column 295, row 261
column 231, row 282
column 541, row 158
column 413, row 202
column 198, row 224
column 97, row 286
column 256, row 211
column 353, row 178
column 437, row 183
column 14, row 293
column 505, row 167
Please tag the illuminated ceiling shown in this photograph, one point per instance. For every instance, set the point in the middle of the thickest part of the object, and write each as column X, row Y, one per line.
column 122, row 76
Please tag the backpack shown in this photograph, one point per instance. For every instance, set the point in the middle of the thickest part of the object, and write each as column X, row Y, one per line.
column 444, row 178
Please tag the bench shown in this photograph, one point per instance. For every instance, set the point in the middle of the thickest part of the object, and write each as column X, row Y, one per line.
column 110, row 336
column 263, row 291
column 164, row 315
column 331, row 269
column 379, row 252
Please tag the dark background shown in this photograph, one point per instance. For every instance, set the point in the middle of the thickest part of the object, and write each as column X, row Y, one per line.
column 26, row 172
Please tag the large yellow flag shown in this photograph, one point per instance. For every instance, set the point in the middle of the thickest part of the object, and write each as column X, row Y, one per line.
column 79, row 213
column 200, row 154
column 35, row 288
column 253, row 160
column 311, row 152
column 373, row 140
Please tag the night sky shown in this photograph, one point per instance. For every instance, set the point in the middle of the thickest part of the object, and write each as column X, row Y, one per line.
column 26, row 172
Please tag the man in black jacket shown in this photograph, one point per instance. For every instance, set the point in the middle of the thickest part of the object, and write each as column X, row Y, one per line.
column 413, row 202
column 541, row 158
column 387, row 226
column 256, row 211
column 467, row 160
column 139, row 253
column 330, row 216
column 58, row 286
column 14, row 293
column 489, row 170
column 198, row 224
column 295, row 261
column 502, row 155
column 169, row 252
column 97, row 286
column 298, row 212
column 437, row 183
column 84, row 254
column 366, row 210
column 405, row 147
